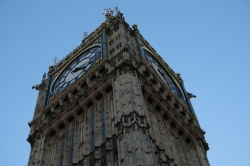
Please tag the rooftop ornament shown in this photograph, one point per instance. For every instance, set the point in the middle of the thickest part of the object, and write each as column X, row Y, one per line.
column 55, row 60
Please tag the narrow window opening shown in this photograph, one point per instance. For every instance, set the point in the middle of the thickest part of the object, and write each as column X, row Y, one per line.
column 93, row 132
column 89, row 103
column 57, row 106
column 63, row 146
column 103, row 125
column 70, row 119
column 165, row 116
column 72, row 148
column 99, row 96
column 75, row 92
column 108, row 89
column 61, row 126
column 80, row 111
column 158, row 108
column 93, row 78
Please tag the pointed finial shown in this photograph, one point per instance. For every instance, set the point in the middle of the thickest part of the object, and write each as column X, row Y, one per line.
column 117, row 11
column 44, row 76
column 108, row 14
column 55, row 60
column 85, row 34
column 111, row 12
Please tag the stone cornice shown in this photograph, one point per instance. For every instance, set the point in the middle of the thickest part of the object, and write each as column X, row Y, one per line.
column 172, row 114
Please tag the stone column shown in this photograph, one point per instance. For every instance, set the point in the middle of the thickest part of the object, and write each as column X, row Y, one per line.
column 104, row 41
column 133, row 140
column 138, row 40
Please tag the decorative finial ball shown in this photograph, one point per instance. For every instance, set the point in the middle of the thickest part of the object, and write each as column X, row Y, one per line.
column 51, row 68
column 134, row 26
column 103, row 24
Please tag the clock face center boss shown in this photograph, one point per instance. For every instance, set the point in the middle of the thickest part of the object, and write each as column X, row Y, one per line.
column 76, row 69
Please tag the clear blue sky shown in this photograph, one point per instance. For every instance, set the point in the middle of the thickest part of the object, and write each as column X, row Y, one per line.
column 207, row 41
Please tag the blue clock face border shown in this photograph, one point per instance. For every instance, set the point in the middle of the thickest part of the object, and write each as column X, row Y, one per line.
column 76, row 69
column 164, row 75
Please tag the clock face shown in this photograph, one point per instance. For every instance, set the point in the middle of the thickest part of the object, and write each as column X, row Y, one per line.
column 160, row 70
column 76, row 69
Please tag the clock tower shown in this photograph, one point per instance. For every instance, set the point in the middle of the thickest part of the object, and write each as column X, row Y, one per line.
column 114, row 101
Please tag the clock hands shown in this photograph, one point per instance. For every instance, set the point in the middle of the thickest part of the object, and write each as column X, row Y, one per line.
column 78, row 68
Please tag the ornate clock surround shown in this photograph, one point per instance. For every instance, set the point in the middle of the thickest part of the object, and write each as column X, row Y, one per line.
column 68, row 65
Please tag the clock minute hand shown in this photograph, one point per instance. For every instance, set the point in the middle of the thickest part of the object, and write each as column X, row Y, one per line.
column 78, row 68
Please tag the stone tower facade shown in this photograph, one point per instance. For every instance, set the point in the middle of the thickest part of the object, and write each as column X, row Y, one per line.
column 113, row 101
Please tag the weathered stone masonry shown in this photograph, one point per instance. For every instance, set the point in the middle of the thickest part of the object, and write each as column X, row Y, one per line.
column 119, row 113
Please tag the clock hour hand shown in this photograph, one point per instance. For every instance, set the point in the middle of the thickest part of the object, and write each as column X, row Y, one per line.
column 78, row 68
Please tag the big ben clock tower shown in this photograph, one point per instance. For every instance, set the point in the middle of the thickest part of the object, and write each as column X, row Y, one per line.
column 113, row 101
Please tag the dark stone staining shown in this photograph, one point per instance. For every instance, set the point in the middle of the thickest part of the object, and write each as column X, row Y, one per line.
column 93, row 78
column 90, row 103
column 70, row 119
column 143, row 91
column 169, row 98
column 146, row 73
column 180, row 132
column 98, row 96
column 84, row 86
column 76, row 102
column 190, row 121
column 66, row 100
column 158, row 108
column 61, row 126
column 188, row 140
column 75, row 92
column 150, row 100
column 57, row 106
column 161, row 89
column 176, row 105
column 165, row 116
column 103, row 71
column 52, row 133
column 153, row 81
column 48, row 113
column 108, row 89
column 80, row 111
column 183, row 113
column 173, row 124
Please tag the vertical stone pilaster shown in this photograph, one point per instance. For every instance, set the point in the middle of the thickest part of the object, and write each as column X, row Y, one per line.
column 133, row 142
column 201, row 153
column 185, row 94
column 138, row 40
column 41, row 149
column 104, row 41
column 48, row 86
